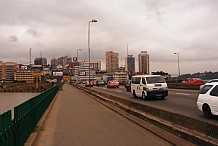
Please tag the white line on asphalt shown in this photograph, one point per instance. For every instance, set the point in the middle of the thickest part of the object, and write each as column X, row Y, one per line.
column 183, row 94
column 118, row 90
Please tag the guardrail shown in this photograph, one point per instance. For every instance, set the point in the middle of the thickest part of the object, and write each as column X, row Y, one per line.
column 26, row 115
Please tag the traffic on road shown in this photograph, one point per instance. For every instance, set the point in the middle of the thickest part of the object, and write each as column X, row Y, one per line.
column 179, row 101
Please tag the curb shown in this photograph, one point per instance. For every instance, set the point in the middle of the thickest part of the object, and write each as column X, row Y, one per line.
column 35, row 134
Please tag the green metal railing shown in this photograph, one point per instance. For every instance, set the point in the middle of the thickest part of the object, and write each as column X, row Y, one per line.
column 26, row 116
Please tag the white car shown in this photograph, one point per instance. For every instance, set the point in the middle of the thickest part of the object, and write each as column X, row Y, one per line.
column 207, row 100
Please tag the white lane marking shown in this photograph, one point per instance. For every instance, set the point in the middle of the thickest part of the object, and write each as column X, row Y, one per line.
column 183, row 94
column 118, row 90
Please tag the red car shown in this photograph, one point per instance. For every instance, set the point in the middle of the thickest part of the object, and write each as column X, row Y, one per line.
column 94, row 83
column 194, row 81
column 87, row 84
column 113, row 84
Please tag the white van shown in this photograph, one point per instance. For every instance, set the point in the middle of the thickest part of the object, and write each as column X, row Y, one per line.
column 149, row 86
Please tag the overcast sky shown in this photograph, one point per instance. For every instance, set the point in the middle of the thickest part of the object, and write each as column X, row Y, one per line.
column 161, row 27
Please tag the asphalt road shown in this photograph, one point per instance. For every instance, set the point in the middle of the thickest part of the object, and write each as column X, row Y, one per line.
column 77, row 119
column 179, row 101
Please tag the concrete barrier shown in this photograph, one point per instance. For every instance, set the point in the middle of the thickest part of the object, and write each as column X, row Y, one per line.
column 196, row 131
column 183, row 86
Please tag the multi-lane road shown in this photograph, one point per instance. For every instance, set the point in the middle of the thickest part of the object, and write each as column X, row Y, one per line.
column 178, row 101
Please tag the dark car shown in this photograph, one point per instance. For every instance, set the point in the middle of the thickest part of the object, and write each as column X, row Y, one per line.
column 100, row 83
column 128, row 86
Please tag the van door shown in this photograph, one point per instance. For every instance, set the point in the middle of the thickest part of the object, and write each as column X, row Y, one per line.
column 143, row 85
column 138, row 87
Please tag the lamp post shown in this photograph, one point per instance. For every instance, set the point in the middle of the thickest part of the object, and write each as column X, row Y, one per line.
column 93, row 20
column 77, row 54
column 178, row 65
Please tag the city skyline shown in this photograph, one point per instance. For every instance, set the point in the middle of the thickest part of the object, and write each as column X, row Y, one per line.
column 161, row 28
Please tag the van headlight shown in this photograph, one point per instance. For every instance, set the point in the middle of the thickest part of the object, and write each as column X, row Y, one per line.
column 147, row 89
column 165, row 88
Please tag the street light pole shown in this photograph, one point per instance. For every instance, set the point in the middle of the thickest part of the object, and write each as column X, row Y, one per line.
column 178, row 65
column 77, row 54
column 93, row 20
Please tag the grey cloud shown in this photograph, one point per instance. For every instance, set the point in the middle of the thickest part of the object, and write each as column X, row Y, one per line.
column 13, row 38
column 33, row 33
column 160, row 27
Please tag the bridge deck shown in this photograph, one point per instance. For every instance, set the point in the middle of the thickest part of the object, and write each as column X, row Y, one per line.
column 77, row 119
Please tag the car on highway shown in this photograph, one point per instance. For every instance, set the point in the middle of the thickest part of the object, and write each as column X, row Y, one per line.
column 149, row 86
column 113, row 84
column 193, row 81
column 94, row 83
column 128, row 86
column 100, row 83
column 89, row 84
column 210, row 81
column 207, row 101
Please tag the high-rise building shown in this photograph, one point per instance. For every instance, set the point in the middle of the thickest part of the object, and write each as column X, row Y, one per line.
column 130, row 63
column 40, row 61
column 112, row 61
column 54, row 63
column 143, row 58
column 64, row 61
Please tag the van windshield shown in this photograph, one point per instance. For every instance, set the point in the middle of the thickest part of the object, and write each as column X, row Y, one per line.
column 152, row 80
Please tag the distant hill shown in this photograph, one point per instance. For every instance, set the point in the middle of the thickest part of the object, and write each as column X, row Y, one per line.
column 205, row 76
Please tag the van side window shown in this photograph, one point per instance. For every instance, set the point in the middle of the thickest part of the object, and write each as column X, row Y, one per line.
column 136, row 80
column 143, row 81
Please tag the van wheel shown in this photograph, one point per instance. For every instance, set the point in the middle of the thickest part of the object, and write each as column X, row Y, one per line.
column 134, row 95
column 143, row 95
column 162, row 97
column 207, row 111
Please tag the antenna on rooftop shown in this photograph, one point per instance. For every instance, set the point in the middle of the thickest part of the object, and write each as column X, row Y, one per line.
column 30, row 56
column 127, row 50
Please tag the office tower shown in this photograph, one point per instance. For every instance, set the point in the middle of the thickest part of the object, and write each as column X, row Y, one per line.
column 130, row 63
column 143, row 58
column 40, row 61
column 112, row 61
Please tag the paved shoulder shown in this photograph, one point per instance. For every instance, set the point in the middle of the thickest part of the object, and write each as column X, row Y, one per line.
column 77, row 119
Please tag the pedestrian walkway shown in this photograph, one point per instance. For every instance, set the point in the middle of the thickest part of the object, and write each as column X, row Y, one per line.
column 78, row 120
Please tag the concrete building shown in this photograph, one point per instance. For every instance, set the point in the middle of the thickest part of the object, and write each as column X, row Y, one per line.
column 143, row 58
column 54, row 63
column 112, row 61
column 62, row 61
column 24, row 76
column 81, row 73
column 7, row 71
column 40, row 61
column 121, row 77
column 94, row 65
column 130, row 63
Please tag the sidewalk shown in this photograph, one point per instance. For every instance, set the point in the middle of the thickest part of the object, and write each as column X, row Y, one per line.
column 78, row 120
